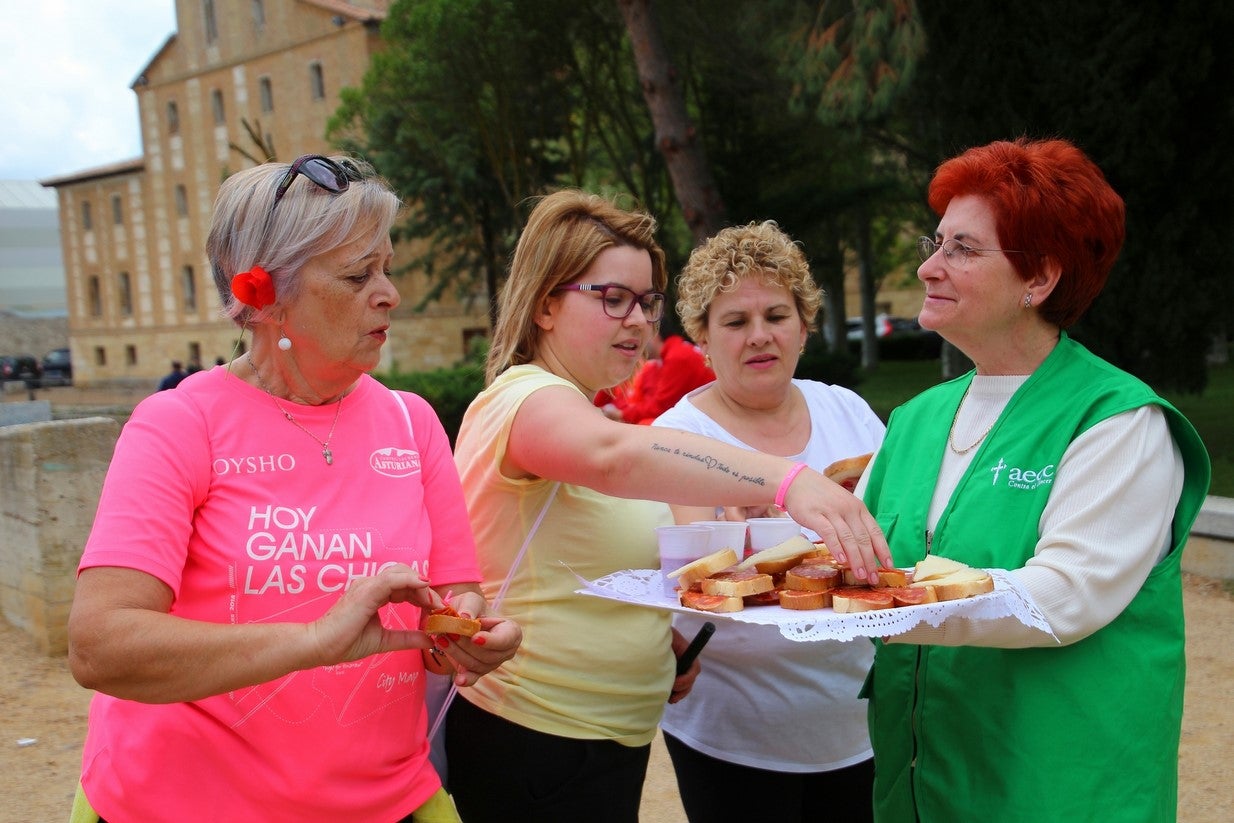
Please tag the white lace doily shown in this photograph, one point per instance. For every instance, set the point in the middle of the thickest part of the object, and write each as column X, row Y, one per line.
column 643, row 587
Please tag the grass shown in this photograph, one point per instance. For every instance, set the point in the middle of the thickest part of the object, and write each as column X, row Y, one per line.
column 1212, row 413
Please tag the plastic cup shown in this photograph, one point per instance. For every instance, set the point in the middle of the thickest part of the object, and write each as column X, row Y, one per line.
column 726, row 534
column 766, row 532
column 680, row 545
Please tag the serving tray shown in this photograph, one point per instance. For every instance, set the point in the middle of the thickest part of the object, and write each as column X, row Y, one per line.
column 643, row 587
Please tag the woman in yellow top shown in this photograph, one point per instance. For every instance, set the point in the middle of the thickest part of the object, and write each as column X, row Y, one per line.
column 563, row 731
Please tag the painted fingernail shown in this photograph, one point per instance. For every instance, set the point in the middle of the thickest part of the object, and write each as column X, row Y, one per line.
column 479, row 641
column 441, row 642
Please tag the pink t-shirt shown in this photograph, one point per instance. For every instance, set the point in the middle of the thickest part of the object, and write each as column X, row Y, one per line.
column 213, row 491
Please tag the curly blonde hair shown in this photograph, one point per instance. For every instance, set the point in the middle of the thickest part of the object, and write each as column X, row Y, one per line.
column 723, row 261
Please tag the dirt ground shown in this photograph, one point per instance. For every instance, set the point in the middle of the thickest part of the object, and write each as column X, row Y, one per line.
column 43, row 711
column 43, row 721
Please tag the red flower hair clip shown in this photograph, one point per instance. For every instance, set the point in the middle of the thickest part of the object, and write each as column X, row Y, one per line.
column 253, row 288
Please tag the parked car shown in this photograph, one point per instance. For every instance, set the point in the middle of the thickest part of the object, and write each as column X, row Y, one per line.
column 57, row 368
column 19, row 367
column 908, row 341
column 882, row 327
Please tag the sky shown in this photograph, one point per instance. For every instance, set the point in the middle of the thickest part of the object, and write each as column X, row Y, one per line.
column 66, row 67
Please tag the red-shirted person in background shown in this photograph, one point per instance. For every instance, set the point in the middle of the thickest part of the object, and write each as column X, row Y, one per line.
column 674, row 367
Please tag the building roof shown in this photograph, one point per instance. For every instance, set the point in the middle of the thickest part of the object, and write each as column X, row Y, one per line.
column 86, row 175
column 25, row 194
column 359, row 10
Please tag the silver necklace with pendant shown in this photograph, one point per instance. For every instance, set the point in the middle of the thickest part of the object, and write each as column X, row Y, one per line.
column 338, row 405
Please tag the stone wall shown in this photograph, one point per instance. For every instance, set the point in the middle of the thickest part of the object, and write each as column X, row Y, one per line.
column 32, row 335
column 50, row 477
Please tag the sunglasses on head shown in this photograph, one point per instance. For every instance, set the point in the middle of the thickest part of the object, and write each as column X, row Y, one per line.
column 329, row 175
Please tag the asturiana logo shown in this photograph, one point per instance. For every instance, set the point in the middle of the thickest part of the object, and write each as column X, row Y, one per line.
column 395, row 462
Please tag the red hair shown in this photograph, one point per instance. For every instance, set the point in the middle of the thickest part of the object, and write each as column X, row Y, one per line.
column 1047, row 198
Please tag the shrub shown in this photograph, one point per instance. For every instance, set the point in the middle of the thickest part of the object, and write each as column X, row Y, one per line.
column 449, row 391
column 821, row 364
column 910, row 345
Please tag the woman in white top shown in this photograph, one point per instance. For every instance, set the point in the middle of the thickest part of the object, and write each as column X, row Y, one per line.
column 780, row 718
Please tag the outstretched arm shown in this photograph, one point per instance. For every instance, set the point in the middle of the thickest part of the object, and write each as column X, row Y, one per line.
column 585, row 448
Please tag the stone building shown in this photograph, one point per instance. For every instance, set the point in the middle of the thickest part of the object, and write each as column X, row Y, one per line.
column 234, row 76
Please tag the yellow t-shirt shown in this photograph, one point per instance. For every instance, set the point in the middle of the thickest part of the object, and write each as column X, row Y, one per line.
column 588, row 668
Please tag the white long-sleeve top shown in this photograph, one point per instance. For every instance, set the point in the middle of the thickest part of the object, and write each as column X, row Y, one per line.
column 1103, row 529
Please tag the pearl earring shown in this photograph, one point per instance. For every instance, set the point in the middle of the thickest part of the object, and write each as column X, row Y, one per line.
column 284, row 341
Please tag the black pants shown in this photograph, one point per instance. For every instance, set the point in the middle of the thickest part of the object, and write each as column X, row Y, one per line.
column 501, row 771
column 707, row 788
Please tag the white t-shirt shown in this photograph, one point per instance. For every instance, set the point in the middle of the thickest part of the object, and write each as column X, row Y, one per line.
column 762, row 700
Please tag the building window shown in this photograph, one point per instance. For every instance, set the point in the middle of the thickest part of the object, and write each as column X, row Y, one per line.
column 100, row 356
column 173, row 118
column 95, row 290
column 267, row 94
column 317, row 81
column 194, row 357
column 259, row 14
column 188, row 282
column 182, row 201
column 130, row 355
column 87, row 218
column 216, row 105
column 117, row 210
column 126, row 294
column 212, row 25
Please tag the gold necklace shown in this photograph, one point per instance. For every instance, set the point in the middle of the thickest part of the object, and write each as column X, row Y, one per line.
column 951, row 434
column 338, row 405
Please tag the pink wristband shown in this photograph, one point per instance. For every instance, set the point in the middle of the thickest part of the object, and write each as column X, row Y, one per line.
column 788, row 481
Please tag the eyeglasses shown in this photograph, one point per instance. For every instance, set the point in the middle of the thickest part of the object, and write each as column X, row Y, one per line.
column 954, row 252
column 331, row 176
column 618, row 301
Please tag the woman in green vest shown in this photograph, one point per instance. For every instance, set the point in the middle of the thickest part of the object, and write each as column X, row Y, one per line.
column 1047, row 461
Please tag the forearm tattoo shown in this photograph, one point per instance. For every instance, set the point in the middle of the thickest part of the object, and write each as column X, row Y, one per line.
column 711, row 462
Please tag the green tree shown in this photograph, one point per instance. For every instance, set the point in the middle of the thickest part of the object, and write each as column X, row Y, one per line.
column 1144, row 89
column 475, row 106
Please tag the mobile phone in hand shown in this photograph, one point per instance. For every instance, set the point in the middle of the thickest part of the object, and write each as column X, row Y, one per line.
column 696, row 646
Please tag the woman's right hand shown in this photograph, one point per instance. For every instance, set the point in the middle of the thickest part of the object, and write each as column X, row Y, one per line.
column 352, row 628
column 841, row 520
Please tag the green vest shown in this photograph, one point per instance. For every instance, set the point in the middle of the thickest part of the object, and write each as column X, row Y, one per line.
column 1085, row 732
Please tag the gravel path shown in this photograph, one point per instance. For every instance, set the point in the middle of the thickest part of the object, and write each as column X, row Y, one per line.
column 40, row 702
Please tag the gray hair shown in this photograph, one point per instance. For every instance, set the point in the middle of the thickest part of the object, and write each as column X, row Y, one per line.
column 247, row 230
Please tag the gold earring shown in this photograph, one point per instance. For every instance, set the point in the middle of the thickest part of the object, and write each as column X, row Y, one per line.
column 1028, row 300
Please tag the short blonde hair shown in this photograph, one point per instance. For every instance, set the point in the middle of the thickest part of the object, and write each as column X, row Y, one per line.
column 723, row 261
column 565, row 232
column 246, row 229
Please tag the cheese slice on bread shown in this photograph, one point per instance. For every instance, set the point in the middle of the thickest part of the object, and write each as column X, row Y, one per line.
column 950, row 579
column 780, row 557
column 691, row 573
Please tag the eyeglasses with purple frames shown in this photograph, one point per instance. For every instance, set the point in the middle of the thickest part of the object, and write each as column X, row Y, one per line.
column 618, row 301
